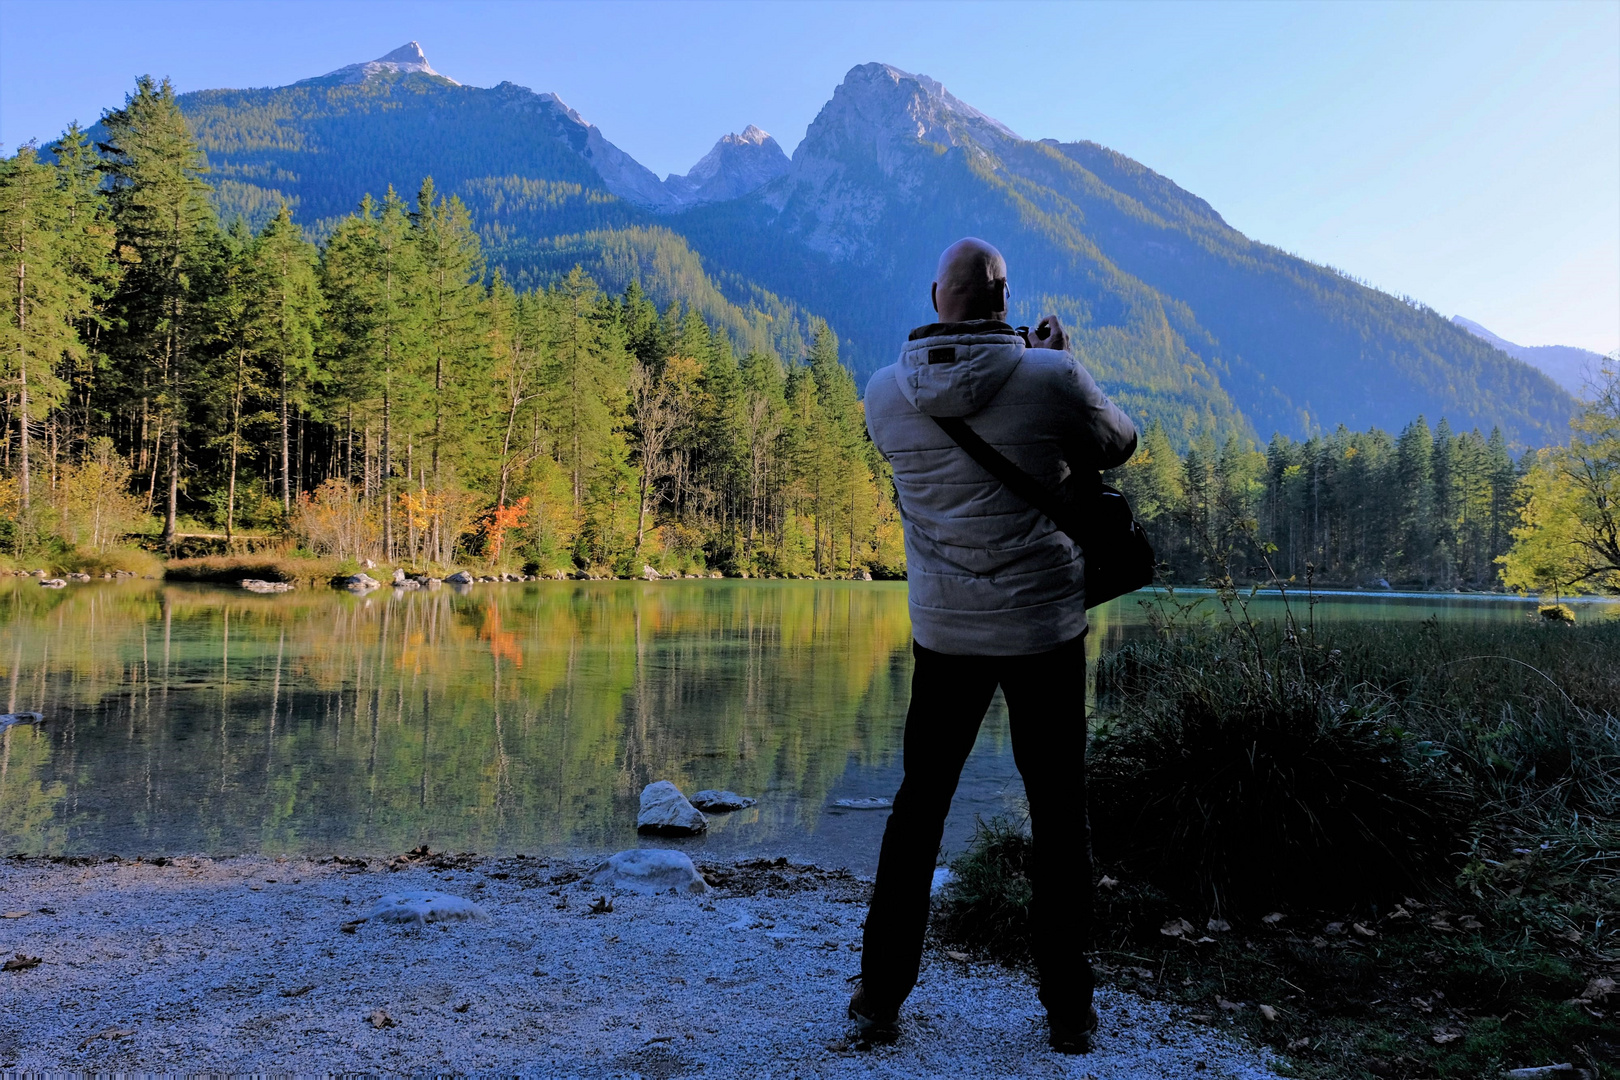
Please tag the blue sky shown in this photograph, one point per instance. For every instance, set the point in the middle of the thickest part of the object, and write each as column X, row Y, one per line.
column 1464, row 154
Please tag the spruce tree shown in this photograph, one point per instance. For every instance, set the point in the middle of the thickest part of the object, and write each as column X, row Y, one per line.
column 284, row 308
column 44, row 298
column 167, row 227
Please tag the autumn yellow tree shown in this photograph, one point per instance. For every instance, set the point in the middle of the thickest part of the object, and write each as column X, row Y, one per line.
column 1568, row 539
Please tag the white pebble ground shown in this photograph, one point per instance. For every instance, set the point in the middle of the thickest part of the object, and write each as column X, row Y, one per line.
column 243, row 965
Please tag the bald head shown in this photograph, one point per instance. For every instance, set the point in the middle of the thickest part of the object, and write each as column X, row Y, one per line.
column 970, row 282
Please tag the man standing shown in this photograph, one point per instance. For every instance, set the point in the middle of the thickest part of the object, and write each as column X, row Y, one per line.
column 997, row 596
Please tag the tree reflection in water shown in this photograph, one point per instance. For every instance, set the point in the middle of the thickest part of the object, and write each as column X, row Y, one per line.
column 509, row 717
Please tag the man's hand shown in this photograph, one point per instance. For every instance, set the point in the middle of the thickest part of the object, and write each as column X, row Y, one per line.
column 1049, row 334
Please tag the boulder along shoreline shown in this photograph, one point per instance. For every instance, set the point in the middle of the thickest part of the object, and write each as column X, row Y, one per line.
column 261, row 964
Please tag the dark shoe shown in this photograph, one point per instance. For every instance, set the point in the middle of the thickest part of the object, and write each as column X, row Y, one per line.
column 873, row 1024
column 1072, row 1035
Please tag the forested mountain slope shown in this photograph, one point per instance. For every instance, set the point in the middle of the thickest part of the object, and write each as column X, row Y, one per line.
column 1186, row 320
column 1180, row 314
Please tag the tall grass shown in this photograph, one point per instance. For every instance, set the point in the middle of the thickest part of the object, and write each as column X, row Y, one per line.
column 1258, row 766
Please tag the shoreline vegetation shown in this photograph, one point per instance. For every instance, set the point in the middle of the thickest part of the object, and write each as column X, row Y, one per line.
column 1385, row 855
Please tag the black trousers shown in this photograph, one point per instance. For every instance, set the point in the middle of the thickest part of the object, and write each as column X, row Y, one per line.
column 1046, row 708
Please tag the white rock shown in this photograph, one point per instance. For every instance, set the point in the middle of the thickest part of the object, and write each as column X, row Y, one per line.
column 649, row 573
column 863, row 804
column 419, row 906
column 368, row 564
column 648, row 871
column 7, row 719
column 54, row 583
column 399, row 575
column 460, row 577
column 665, row 810
column 258, row 586
column 711, row 800
column 358, row 582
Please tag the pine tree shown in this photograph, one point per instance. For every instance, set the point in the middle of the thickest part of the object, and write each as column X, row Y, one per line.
column 452, row 269
column 44, row 297
column 1414, row 475
column 167, row 227
column 284, row 307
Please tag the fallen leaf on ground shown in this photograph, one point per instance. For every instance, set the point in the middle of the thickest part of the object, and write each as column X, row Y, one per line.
column 463, row 1007
column 1205, row 940
column 1333, row 928
column 1217, row 926
column 1273, row 919
column 110, row 1034
column 1269, row 1013
column 1571, row 935
column 380, row 1019
column 299, row 991
column 351, row 926
column 1108, row 882
column 21, row 963
column 1468, row 922
column 957, row 955
column 602, row 905
column 1442, row 1036
column 1141, row 972
column 1176, row 928
column 1298, row 1044
column 1364, row 930
column 1229, row 1006
column 1598, row 989
column 13, row 914
column 1400, row 912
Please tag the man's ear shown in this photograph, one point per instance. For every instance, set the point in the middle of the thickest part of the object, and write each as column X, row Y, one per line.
column 933, row 296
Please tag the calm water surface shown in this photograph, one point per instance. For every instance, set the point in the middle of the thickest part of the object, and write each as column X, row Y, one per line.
column 186, row 719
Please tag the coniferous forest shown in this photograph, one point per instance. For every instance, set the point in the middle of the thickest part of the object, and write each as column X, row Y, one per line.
column 196, row 386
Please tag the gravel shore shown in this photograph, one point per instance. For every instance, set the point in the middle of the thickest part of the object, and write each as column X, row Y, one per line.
column 245, row 965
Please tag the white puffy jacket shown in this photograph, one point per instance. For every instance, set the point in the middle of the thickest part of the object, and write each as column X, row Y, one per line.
column 989, row 575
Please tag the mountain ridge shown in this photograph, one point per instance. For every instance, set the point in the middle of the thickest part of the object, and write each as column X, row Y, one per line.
column 1570, row 367
column 1187, row 320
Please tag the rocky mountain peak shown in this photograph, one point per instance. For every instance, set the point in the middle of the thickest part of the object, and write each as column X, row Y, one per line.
column 738, row 163
column 406, row 59
column 880, row 109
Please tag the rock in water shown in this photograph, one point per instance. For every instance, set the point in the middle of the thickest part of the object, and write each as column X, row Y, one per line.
column 54, row 583
column 648, row 871
column 420, row 906
column 720, row 801
column 863, row 804
column 399, row 575
column 255, row 585
column 358, row 582
column 665, row 810
column 460, row 577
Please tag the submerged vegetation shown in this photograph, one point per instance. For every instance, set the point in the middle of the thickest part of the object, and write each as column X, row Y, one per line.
column 1400, row 841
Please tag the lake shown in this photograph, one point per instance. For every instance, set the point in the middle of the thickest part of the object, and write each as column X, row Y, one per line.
column 497, row 719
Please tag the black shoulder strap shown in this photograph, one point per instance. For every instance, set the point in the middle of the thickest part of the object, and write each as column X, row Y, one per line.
column 995, row 463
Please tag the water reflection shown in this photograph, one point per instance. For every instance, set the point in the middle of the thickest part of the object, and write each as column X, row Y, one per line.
column 510, row 717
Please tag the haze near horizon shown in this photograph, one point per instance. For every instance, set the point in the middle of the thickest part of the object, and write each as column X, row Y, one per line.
column 1467, row 156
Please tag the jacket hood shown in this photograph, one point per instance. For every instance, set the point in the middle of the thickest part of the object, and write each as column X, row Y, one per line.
column 954, row 369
